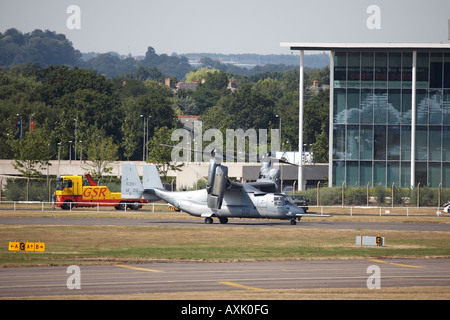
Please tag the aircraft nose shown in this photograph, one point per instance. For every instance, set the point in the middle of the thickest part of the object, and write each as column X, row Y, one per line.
column 296, row 209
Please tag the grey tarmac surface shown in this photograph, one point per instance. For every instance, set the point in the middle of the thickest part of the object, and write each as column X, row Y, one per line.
column 248, row 223
column 159, row 277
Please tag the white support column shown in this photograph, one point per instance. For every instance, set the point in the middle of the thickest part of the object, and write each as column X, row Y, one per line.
column 413, row 121
column 300, row 123
column 330, row 134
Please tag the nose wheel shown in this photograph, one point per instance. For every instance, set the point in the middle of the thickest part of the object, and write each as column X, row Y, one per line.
column 209, row 220
column 293, row 222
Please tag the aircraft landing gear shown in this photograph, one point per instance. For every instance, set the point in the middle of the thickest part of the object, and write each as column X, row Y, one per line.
column 208, row 220
column 223, row 220
column 293, row 222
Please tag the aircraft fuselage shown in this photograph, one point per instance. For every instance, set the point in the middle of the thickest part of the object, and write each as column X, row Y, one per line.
column 236, row 203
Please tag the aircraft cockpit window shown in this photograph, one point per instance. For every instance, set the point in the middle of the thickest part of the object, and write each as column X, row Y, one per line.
column 282, row 201
column 278, row 201
column 287, row 201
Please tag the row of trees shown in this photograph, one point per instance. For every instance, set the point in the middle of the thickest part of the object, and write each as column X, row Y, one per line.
column 50, row 48
column 44, row 107
column 57, row 111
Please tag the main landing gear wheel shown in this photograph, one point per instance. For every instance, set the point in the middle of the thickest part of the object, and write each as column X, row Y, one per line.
column 293, row 222
column 208, row 220
column 223, row 220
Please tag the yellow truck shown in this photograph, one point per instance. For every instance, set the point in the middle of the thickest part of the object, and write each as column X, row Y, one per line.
column 70, row 193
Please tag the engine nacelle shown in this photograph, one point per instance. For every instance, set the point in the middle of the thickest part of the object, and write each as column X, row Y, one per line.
column 216, row 190
column 211, row 174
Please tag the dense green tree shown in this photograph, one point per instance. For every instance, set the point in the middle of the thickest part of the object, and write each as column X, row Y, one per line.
column 173, row 66
column 159, row 152
column 316, row 116
column 30, row 152
column 101, row 152
column 154, row 109
column 244, row 109
column 320, row 146
column 42, row 47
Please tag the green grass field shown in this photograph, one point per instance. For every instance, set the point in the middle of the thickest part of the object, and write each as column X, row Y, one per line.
column 110, row 244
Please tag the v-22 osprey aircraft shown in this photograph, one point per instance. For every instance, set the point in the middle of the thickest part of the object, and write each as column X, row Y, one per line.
column 222, row 198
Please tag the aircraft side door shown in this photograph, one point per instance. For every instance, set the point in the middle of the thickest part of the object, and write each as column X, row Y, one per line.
column 264, row 208
column 262, row 202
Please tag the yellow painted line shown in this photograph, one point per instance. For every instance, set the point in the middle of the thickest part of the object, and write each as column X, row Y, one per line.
column 228, row 283
column 395, row 264
column 136, row 268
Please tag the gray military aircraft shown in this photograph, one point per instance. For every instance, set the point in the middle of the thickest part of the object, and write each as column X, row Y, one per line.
column 222, row 198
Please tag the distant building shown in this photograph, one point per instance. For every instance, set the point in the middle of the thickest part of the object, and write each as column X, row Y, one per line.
column 232, row 85
column 181, row 85
column 187, row 86
column 188, row 122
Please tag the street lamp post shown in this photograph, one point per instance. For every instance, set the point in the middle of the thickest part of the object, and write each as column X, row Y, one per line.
column 59, row 155
column 70, row 151
column 76, row 125
column 146, row 139
column 279, row 125
column 81, row 151
column 143, row 140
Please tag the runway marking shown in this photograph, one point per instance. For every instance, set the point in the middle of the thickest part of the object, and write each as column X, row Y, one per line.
column 395, row 264
column 136, row 268
column 228, row 283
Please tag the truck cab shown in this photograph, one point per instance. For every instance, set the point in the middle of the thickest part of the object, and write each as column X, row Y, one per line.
column 68, row 191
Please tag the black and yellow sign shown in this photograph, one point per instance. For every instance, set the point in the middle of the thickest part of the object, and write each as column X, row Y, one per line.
column 27, row 246
column 379, row 241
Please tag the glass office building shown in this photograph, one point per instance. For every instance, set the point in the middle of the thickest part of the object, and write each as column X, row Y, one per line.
column 373, row 121
column 389, row 114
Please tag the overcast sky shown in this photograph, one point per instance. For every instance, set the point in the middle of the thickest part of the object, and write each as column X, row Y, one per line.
column 228, row 26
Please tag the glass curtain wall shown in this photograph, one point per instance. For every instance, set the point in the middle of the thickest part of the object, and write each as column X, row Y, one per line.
column 372, row 119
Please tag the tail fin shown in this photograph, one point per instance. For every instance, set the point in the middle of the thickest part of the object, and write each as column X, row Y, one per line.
column 151, row 177
column 131, row 182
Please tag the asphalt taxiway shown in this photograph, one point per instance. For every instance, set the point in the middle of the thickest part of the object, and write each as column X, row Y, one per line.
column 160, row 277
column 232, row 223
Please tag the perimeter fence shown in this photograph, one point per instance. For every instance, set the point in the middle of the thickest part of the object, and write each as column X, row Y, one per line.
column 19, row 193
column 158, row 207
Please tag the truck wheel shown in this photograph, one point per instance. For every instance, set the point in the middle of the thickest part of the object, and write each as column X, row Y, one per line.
column 120, row 206
column 67, row 205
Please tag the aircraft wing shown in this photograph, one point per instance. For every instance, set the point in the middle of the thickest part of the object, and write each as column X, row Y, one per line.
column 250, row 189
column 265, row 186
column 253, row 187
column 312, row 215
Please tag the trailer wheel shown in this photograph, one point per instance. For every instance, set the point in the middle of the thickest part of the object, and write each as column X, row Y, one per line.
column 136, row 205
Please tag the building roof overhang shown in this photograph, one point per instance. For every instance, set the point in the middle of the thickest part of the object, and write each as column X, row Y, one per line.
column 366, row 46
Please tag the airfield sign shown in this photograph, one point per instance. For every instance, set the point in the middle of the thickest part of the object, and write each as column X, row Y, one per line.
column 26, row 246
